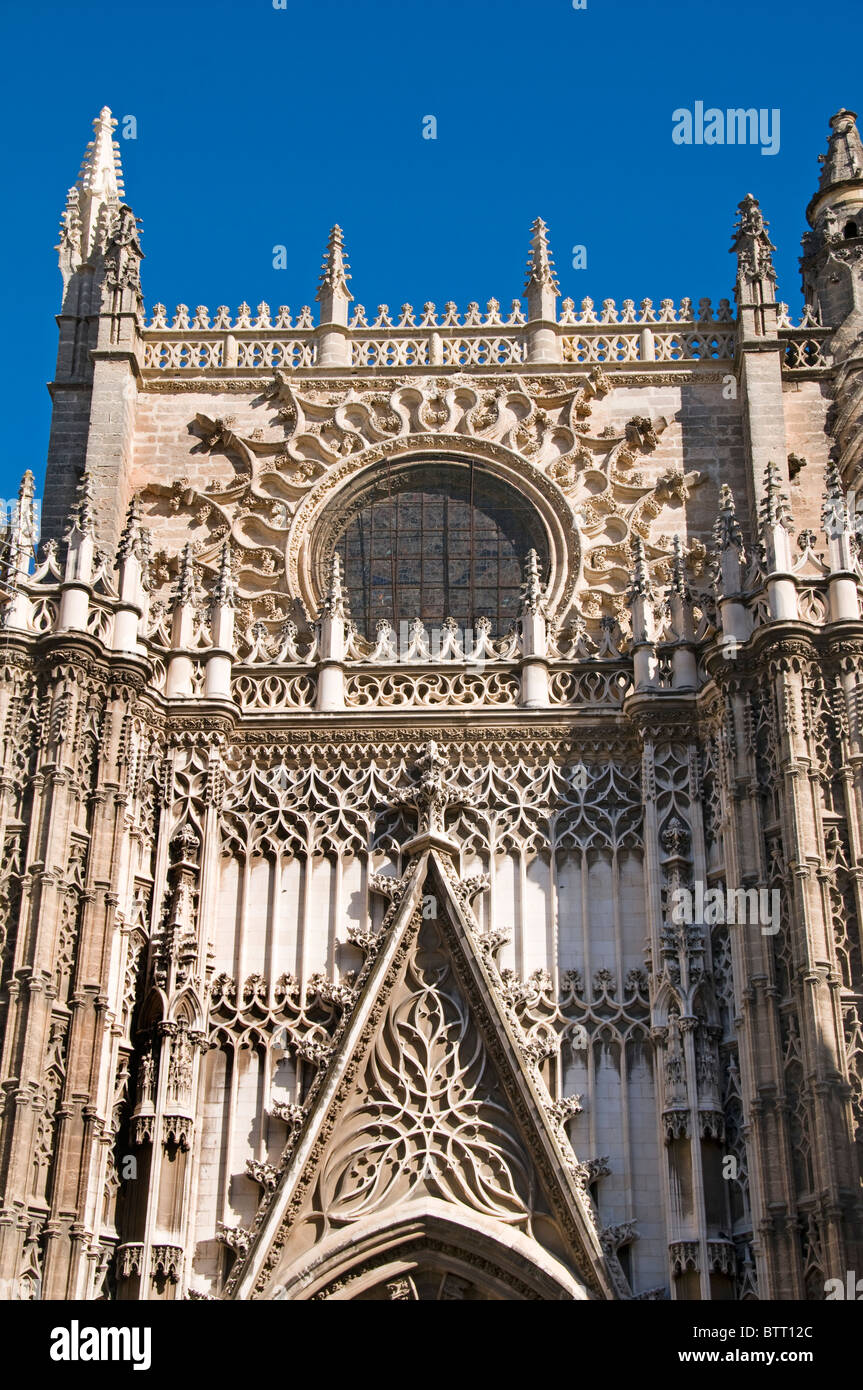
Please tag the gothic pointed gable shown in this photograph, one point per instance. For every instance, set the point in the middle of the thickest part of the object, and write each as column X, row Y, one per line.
column 429, row 1113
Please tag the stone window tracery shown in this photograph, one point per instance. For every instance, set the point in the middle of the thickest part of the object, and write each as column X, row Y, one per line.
column 438, row 540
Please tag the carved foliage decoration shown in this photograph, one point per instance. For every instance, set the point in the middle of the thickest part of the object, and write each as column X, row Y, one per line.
column 428, row 1112
column 427, row 1095
column 310, row 809
column 271, row 490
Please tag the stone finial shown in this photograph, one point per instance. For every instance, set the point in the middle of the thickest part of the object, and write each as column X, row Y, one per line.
column 101, row 171
column 776, row 523
column 726, row 528
column 80, row 537
column 834, row 512
column 183, row 627
column 335, row 603
column 844, row 601
column 540, row 264
column 132, row 563
column 335, row 272
column 532, row 596
column 726, row 575
column 69, row 244
column 755, row 283
column 684, row 671
column 679, row 584
column 533, row 635
column 134, row 538
column 82, row 518
column 641, row 585
column 20, row 536
column 18, row 542
column 542, row 290
column 225, row 591
column 431, row 796
column 334, row 347
column 752, row 245
column 217, row 676
column 25, row 514
column 640, row 596
column 775, row 508
column 99, row 187
column 184, row 589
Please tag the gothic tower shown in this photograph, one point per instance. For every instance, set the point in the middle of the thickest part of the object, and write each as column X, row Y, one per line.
column 431, row 799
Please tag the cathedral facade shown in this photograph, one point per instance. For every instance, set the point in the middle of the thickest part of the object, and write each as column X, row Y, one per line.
column 432, row 843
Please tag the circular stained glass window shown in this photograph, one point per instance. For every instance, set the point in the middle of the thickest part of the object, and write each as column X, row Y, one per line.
column 438, row 541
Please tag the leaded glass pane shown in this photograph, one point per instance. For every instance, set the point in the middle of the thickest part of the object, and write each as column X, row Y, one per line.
column 436, row 542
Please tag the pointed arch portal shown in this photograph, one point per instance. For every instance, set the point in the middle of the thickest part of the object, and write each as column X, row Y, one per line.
column 429, row 1163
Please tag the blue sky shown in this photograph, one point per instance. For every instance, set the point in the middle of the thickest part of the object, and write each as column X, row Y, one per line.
column 259, row 126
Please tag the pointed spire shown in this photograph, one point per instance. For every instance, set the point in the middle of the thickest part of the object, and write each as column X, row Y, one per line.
column 82, row 517
column 726, row 528
column 18, row 539
column 640, row 585
column 542, row 290
column 834, row 512
column 135, row 537
column 540, row 265
column 21, row 536
column 101, row 172
column 683, row 668
column 99, row 187
column 775, row 509
column 25, row 514
column 69, row 245
column 225, row 591
column 331, row 633
column 335, row 603
column 838, row 527
column 217, row 678
column 335, row 270
column 640, row 597
column 776, row 556
column 532, row 596
column 132, row 563
column 751, row 243
column 679, row 585
column 81, row 558
column 184, row 589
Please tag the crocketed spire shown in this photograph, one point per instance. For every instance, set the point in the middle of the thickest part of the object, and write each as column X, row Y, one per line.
column 101, row 172
column 540, row 264
column 834, row 512
column 335, row 603
column 726, row 528
column 225, row 591
column 532, row 597
column 335, row 270
column 134, row 538
column 98, row 190
column 679, row 585
column 775, row 509
column 184, row 589
column 752, row 245
column 640, row 574
column 82, row 517
column 18, row 537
